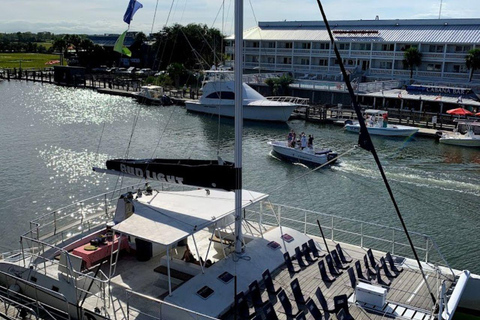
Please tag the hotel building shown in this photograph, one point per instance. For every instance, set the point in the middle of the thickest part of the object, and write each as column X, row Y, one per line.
column 371, row 49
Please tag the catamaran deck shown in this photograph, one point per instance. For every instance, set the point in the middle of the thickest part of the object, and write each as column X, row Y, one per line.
column 407, row 295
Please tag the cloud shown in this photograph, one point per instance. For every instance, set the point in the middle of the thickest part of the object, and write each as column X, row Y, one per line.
column 93, row 16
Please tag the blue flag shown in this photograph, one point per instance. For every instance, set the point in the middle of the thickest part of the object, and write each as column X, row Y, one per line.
column 133, row 6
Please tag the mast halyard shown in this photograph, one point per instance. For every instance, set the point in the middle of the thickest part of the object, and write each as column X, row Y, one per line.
column 238, row 78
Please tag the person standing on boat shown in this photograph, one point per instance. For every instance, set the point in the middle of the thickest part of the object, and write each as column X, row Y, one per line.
column 290, row 138
column 385, row 119
column 303, row 140
column 310, row 141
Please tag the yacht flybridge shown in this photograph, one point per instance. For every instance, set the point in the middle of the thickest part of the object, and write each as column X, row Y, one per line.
column 123, row 260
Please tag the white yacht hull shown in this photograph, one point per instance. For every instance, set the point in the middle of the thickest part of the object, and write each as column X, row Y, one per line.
column 307, row 156
column 258, row 112
column 391, row 130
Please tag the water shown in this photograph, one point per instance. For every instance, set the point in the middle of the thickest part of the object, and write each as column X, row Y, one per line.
column 52, row 136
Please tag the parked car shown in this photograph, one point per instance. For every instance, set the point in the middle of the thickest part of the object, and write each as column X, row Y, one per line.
column 144, row 72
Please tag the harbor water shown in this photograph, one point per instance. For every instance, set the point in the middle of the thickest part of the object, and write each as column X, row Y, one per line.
column 51, row 137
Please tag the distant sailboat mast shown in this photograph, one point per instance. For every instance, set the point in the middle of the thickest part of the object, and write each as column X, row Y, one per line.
column 238, row 68
column 440, row 11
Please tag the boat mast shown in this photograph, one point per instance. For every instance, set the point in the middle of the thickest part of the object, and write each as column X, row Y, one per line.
column 238, row 71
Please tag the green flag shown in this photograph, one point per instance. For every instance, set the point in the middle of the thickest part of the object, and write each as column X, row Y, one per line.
column 119, row 43
column 126, row 51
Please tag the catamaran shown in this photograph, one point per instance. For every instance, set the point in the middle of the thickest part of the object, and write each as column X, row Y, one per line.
column 164, row 251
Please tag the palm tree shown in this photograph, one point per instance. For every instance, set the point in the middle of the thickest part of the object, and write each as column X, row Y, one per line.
column 175, row 70
column 411, row 58
column 472, row 60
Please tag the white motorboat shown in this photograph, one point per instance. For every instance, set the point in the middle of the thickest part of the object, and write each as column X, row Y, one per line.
column 218, row 98
column 308, row 156
column 377, row 125
column 152, row 94
column 469, row 137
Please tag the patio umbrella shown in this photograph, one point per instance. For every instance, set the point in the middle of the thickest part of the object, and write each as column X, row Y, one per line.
column 477, row 114
column 460, row 112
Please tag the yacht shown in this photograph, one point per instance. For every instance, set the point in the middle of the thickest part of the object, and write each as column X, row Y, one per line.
column 377, row 125
column 218, row 98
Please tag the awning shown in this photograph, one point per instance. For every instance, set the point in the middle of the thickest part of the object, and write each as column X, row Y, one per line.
column 168, row 217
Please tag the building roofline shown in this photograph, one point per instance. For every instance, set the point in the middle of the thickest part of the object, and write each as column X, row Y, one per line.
column 373, row 23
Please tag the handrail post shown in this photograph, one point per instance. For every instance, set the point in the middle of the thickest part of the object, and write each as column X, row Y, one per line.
column 106, row 205
column 361, row 235
column 305, row 224
column 426, row 249
column 393, row 241
column 332, row 229
column 54, row 222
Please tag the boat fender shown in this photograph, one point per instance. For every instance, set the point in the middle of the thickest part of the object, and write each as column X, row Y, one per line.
column 348, row 122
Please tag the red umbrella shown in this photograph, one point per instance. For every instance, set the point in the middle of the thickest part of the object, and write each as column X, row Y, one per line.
column 477, row 114
column 460, row 112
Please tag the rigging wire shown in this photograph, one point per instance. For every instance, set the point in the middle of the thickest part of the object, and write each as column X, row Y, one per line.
column 365, row 142
column 154, row 16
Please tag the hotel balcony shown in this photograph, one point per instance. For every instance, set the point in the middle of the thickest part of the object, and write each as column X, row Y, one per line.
column 301, row 52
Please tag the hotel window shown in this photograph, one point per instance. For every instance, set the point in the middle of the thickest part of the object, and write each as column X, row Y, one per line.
column 270, row 59
column 271, row 45
column 459, row 68
column 385, row 65
column 434, row 67
column 324, row 46
column 365, row 46
column 343, row 46
column 305, row 45
column 388, row 47
column 255, row 44
column 288, row 45
column 323, row 62
column 462, row 48
column 287, row 60
column 435, row 48
column 305, row 62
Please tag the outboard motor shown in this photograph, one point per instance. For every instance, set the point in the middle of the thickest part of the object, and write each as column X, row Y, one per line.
column 348, row 121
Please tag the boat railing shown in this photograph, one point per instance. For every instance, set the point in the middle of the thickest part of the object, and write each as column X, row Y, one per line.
column 69, row 221
column 295, row 100
column 26, row 305
column 45, row 259
column 152, row 308
column 355, row 232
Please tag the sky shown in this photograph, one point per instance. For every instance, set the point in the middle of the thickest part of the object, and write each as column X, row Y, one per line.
column 106, row 16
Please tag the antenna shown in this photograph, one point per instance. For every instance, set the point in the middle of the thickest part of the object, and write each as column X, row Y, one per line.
column 440, row 11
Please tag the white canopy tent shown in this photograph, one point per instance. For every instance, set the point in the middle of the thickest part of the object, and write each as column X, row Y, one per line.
column 168, row 217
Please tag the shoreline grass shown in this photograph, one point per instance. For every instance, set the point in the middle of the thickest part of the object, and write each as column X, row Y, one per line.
column 27, row 60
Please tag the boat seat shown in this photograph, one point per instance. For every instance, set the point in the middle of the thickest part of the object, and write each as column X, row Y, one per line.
column 286, row 304
column 297, row 293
